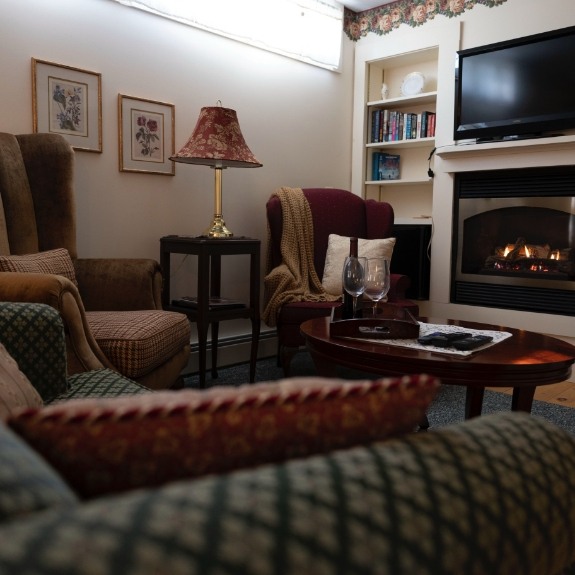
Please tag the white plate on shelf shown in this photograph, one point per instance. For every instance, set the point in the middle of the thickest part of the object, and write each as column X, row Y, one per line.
column 412, row 84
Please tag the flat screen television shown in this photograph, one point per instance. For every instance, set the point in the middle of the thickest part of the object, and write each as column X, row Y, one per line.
column 521, row 88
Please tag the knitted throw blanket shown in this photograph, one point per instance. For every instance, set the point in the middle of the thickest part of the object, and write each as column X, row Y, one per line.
column 295, row 279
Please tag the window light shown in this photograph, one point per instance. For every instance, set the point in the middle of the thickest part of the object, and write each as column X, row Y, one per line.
column 307, row 30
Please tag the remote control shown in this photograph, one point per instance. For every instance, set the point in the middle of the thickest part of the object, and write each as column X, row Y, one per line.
column 439, row 339
column 471, row 343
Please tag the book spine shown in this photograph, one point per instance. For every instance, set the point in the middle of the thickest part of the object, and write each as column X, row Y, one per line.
column 385, row 126
column 431, row 131
column 375, row 166
column 423, row 129
column 375, row 125
column 408, row 126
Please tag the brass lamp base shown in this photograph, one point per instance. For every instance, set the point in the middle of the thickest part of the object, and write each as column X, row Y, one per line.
column 218, row 229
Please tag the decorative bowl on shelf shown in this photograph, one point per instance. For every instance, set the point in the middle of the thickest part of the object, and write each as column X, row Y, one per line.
column 412, row 84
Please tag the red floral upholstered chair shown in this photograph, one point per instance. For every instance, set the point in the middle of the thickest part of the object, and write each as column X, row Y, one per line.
column 111, row 308
column 338, row 212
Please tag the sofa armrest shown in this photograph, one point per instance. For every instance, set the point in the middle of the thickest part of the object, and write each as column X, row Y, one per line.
column 119, row 284
column 60, row 293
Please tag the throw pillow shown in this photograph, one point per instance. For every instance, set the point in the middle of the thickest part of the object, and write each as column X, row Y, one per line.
column 56, row 262
column 110, row 445
column 27, row 482
column 338, row 250
column 16, row 391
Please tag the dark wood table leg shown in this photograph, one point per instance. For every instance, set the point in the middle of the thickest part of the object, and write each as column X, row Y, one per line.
column 215, row 291
column 254, row 350
column 255, row 309
column 324, row 367
column 522, row 399
column 474, row 401
column 203, row 309
column 424, row 425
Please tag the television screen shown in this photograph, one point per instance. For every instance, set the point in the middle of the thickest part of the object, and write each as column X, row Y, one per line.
column 518, row 88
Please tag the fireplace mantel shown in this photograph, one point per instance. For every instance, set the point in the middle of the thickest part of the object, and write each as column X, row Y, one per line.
column 552, row 151
column 452, row 159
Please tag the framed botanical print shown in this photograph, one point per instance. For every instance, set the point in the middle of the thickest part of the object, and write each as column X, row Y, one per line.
column 146, row 135
column 68, row 101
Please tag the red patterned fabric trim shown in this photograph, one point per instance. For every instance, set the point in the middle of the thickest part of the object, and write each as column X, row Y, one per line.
column 103, row 446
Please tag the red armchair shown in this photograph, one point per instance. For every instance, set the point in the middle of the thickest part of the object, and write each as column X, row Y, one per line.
column 333, row 211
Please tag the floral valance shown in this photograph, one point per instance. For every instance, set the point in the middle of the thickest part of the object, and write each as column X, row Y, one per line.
column 384, row 19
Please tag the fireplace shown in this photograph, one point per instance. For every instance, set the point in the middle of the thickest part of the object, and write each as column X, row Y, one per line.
column 514, row 239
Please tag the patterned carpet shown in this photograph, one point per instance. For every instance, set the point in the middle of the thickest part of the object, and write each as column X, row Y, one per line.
column 447, row 408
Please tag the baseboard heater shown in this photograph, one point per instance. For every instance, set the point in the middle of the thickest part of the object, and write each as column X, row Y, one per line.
column 231, row 340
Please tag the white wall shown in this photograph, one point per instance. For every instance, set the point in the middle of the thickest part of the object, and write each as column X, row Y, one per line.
column 296, row 118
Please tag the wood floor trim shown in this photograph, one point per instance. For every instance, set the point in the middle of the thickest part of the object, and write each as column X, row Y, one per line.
column 559, row 393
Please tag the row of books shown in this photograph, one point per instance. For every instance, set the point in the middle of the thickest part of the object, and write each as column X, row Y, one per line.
column 392, row 126
column 385, row 166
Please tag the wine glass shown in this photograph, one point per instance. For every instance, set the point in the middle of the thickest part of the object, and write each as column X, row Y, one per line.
column 377, row 280
column 353, row 278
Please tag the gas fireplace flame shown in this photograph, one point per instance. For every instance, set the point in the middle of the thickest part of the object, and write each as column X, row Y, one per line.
column 521, row 257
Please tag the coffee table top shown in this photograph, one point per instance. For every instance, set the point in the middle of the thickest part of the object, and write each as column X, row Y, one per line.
column 524, row 359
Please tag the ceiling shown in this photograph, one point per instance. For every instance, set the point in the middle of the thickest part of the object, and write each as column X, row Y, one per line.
column 361, row 5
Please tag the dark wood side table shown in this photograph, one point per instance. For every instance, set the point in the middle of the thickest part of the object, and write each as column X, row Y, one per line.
column 209, row 252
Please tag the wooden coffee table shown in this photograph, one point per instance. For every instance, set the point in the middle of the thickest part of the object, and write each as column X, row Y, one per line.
column 523, row 361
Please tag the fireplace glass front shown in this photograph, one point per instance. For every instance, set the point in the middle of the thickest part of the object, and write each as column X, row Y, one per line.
column 514, row 239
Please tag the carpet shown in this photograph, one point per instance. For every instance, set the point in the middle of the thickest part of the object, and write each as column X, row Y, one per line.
column 447, row 408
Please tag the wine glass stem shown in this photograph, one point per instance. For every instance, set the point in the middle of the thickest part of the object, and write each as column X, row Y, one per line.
column 354, row 306
column 374, row 309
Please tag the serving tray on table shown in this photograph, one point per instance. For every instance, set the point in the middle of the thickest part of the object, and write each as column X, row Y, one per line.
column 392, row 322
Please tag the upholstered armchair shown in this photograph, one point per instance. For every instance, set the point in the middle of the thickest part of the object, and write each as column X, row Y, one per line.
column 111, row 308
column 333, row 211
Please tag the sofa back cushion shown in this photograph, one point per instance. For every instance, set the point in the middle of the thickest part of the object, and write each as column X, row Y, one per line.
column 37, row 194
column 112, row 445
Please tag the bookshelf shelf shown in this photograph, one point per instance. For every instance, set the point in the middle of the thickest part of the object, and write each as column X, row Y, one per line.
column 413, row 143
column 400, row 182
column 401, row 101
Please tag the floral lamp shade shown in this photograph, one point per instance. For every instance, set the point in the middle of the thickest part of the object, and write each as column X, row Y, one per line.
column 217, row 141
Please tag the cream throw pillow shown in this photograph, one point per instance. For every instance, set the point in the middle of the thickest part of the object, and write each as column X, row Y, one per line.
column 338, row 250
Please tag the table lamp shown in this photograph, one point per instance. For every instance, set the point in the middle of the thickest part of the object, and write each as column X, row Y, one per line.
column 217, row 141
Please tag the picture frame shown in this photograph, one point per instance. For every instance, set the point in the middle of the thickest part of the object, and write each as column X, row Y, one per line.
column 68, row 101
column 146, row 135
